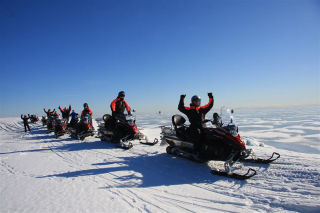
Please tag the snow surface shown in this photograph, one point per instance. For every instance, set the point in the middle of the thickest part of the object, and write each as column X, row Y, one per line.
column 42, row 174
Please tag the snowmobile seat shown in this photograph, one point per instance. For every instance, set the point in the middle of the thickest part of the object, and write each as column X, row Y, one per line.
column 178, row 123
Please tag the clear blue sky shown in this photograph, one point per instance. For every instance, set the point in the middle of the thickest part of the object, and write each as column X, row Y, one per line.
column 247, row 52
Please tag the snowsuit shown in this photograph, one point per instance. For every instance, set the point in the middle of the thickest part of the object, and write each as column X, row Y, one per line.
column 73, row 115
column 51, row 113
column 196, row 116
column 65, row 113
column 86, row 111
column 25, row 123
column 118, row 106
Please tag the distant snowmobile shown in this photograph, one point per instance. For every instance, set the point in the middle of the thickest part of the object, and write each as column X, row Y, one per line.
column 44, row 120
column 122, row 132
column 34, row 119
column 83, row 129
column 222, row 143
column 50, row 124
column 59, row 127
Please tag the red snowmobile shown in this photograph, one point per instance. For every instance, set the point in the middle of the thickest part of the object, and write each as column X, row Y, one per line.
column 59, row 127
column 222, row 143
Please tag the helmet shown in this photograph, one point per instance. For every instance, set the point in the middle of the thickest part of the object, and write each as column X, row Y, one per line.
column 85, row 105
column 196, row 100
column 121, row 94
column 215, row 115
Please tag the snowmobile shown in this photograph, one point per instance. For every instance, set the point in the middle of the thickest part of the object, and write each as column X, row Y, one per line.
column 73, row 122
column 50, row 124
column 59, row 127
column 34, row 119
column 122, row 131
column 44, row 120
column 218, row 143
column 83, row 128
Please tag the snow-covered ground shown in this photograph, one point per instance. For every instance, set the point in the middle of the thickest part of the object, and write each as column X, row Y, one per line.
column 42, row 174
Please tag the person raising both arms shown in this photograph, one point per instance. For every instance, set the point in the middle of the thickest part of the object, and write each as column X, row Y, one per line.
column 196, row 115
column 25, row 122
column 65, row 113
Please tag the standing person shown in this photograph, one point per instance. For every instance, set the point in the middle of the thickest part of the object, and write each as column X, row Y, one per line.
column 65, row 113
column 25, row 122
column 196, row 115
column 118, row 106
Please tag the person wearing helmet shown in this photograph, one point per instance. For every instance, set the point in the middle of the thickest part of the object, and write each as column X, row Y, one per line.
column 87, row 111
column 118, row 106
column 51, row 113
column 196, row 115
column 217, row 120
column 65, row 113
column 25, row 122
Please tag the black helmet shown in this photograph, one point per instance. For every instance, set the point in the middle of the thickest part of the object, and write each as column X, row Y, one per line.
column 85, row 105
column 215, row 116
column 121, row 94
column 196, row 100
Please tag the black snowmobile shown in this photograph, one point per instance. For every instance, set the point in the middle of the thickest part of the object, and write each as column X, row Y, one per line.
column 34, row 118
column 44, row 120
column 50, row 124
column 218, row 143
column 122, row 131
column 73, row 122
column 83, row 128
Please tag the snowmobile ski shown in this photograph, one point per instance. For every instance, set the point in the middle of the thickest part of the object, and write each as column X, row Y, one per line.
column 150, row 143
column 273, row 157
column 250, row 173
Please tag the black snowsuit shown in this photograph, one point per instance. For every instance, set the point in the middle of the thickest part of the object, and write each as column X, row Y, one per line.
column 25, row 123
column 196, row 116
column 65, row 113
column 118, row 106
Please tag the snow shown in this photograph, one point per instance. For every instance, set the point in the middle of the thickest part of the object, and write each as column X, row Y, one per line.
column 42, row 174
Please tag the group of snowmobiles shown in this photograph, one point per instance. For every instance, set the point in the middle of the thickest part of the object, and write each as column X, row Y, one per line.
column 76, row 128
column 218, row 142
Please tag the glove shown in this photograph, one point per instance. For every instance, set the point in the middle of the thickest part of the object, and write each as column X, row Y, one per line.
column 210, row 95
column 182, row 96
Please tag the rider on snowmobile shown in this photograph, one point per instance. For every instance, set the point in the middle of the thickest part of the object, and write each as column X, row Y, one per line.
column 217, row 120
column 51, row 113
column 73, row 115
column 65, row 113
column 86, row 110
column 196, row 115
column 118, row 106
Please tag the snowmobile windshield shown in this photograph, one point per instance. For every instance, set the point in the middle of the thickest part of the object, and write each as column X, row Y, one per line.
column 85, row 119
column 130, row 119
column 232, row 129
